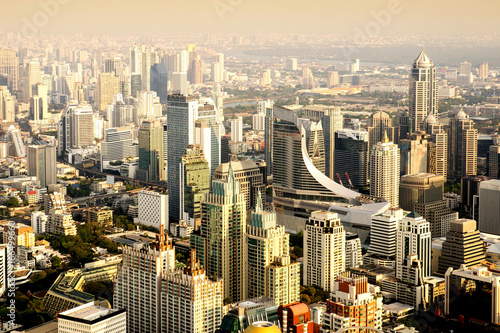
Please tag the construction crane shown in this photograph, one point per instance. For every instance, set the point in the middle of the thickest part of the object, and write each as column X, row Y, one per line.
column 340, row 180
column 349, row 180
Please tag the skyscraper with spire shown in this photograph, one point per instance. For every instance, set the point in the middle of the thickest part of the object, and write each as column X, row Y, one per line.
column 384, row 171
column 270, row 272
column 423, row 91
column 221, row 241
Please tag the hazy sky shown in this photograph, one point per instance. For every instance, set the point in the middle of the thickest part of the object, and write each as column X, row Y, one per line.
column 247, row 16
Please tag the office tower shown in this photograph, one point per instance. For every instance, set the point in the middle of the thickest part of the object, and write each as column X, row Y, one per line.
column 259, row 122
column 291, row 64
column 215, row 73
column 196, row 179
column 76, row 127
column 32, row 75
column 159, row 81
column 462, row 152
column 384, row 171
column 332, row 79
column 237, row 129
column 181, row 114
column 17, row 142
column 220, row 61
column 493, row 162
column 414, row 154
column 40, row 92
column 465, row 68
column 140, row 63
column 42, row 164
column 270, row 272
column 307, row 78
column 150, row 106
column 405, row 124
column 90, row 318
column 137, row 286
column 295, row 317
column 438, row 214
column 179, row 83
column 354, row 303
column 153, row 209
column 331, row 121
column 265, row 79
column 351, row 157
column 9, row 67
column 413, row 238
column 324, row 250
column 135, row 84
column 483, row 71
column 190, row 301
column 36, row 108
column 463, row 246
column 423, row 90
column 469, row 196
column 383, row 237
column 112, row 65
column 208, row 132
column 420, row 188
column 353, row 254
column 489, row 208
column 221, row 242
column 7, row 105
column 151, row 151
column 196, row 73
column 117, row 146
column 108, row 87
column 378, row 124
column 437, row 150
column 224, row 148
column 250, row 177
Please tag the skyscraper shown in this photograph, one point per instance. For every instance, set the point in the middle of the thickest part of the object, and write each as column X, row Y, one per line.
column 465, row 68
column 291, row 64
column 270, row 272
column 117, row 145
column 137, row 286
column 221, row 241
column 159, row 81
column 462, row 152
column 76, row 127
column 108, row 87
column 9, row 67
column 437, row 150
column 32, row 75
column 489, row 208
column 182, row 112
column 423, row 90
column 42, row 164
column 324, row 250
column 153, row 209
column 483, row 71
column 414, row 154
column 351, row 157
column 420, row 188
column 7, row 105
column 384, row 171
column 151, row 151
column 378, row 124
column 209, row 129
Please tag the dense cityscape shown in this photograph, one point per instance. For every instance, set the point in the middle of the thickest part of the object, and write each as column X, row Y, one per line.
column 248, row 181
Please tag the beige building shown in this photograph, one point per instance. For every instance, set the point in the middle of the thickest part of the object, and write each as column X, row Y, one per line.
column 324, row 250
column 91, row 318
column 102, row 216
column 414, row 154
column 384, row 171
column 108, row 86
column 9, row 66
column 462, row 151
column 59, row 222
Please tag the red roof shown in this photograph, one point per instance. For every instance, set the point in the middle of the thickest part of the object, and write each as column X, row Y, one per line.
column 31, row 192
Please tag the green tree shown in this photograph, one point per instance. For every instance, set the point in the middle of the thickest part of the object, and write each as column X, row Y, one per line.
column 56, row 262
column 228, row 300
column 13, row 202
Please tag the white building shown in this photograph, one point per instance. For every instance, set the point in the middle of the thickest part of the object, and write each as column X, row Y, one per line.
column 291, row 64
column 89, row 318
column 39, row 222
column 384, row 171
column 489, row 206
column 324, row 250
column 237, row 129
column 353, row 253
column 258, row 122
column 153, row 209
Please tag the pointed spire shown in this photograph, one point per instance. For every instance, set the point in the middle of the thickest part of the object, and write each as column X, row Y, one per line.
column 258, row 205
column 385, row 139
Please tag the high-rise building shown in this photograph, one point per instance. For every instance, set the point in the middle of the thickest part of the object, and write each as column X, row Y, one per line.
column 221, row 241
column 179, row 83
column 331, row 121
column 270, row 272
column 332, row 79
column 42, row 164
column 137, row 286
column 151, row 151
column 414, row 154
column 423, row 90
column 159, row 81
column 351, row 157
column 108, row 86
column 462, row 152
column 420, row 188
column 117, row 145
column 140, row 63
column 215, row 72
column 324, row 250
column 196, row 180
column 90, row 318
column 438, row 214
column 463, row 246
column 291, row 64
column 182, row 112
column 209, row 130
column 220, row 61
column 249, row 175
column 380, row 123
column 413, row 238
column 190, row 301
column 9, row 68
column 353, row 253
column 354, row 303
column 483, row 71
column 112, row 65
column 32, row 75
column 437, row 150
column 7, row 105
column 153, row 209
column 489, row 206
column 465, row 68
column 76, row 128
column 237, row 129
column 469, row 195
column 384, row 171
